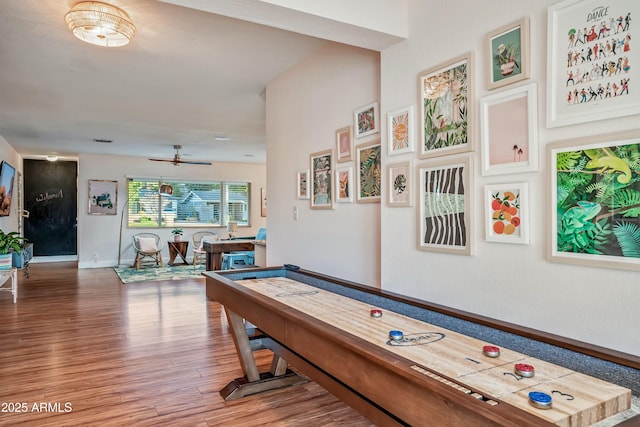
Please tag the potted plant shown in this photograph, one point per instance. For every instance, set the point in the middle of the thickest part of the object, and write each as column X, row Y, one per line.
column 9, row 242
column 506, row 58
column 177, row 234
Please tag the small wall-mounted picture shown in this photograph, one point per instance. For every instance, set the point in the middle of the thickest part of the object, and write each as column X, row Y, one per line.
column 508, row 54
column 344, row 145
column 103, row 196
column 506, row 213
column 400, row 184
column 366, row 120
column 344, row 184
column 7, row 174
column 302, row 184
column 401, row 129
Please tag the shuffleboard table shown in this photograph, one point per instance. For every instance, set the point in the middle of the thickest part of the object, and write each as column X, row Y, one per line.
column 342, row 335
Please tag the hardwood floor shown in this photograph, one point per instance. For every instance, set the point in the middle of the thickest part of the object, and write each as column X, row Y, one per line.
column 80, row 348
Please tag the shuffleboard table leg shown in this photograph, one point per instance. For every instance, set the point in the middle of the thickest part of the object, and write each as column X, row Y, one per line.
column 243, row 346
column 255, row 382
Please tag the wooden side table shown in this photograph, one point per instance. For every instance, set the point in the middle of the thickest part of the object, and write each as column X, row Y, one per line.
column 178, row 249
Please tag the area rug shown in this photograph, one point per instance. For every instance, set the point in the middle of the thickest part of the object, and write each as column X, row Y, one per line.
column 154, row 274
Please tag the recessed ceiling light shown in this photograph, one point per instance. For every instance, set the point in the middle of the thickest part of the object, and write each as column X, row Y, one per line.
column 221, row 138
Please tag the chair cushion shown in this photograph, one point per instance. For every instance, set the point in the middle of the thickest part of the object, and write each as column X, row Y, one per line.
column 147, row 244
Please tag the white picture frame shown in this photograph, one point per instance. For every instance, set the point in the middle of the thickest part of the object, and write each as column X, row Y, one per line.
column 366, row 120
column 401, row 131
column 445, row 191
column 509, row 131
column 507, row 213
column 572, row 70
column 400, row 184
column 344, row 184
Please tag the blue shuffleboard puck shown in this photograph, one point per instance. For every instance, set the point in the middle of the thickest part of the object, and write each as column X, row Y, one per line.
column 396, row 335
column 540, row 400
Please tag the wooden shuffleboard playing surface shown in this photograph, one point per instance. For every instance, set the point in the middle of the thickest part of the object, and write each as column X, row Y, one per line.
column 455, row 359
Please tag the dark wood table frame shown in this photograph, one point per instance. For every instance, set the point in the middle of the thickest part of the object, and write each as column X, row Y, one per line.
column 178, row 248
column 217, row 248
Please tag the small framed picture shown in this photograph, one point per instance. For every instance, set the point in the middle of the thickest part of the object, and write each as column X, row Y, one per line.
column 507, row 213
column 401, row 131
column 366, row 120
column 344, row 184
column 344, row 145
column 369, row 172
column 508, row 54
column 400, row 184
column 103, row 197
column 302, row 184
column 509, row 132
column 322, row 180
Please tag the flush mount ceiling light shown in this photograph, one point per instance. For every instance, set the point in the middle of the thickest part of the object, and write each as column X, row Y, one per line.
column 101, row 24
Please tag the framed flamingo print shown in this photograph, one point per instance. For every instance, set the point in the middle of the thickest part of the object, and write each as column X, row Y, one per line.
column 507, row 213
column 509, row 132
column 446, row 108
column 401, row 131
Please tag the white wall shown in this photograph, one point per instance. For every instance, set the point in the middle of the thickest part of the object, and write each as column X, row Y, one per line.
column 7, row 153
column 305, row 107
column 100, row 233
column 514, row 283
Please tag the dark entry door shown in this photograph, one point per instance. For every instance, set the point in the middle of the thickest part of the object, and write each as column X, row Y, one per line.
column 50, row 197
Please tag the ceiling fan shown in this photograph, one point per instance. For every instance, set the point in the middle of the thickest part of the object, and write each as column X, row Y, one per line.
column 177, row 159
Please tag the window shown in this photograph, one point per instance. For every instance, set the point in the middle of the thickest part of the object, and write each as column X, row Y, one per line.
column 191, row 203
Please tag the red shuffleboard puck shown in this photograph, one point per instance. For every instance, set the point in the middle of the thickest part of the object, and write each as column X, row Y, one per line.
column 524, row 370
column 491, row 351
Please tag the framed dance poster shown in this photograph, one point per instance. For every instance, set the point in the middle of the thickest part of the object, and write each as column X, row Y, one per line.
column 592, row 65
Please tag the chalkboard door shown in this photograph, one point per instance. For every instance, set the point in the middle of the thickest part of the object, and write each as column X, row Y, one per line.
column 51, row 198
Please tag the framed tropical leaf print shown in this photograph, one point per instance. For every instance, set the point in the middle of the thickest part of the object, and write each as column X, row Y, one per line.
column 369, row 172
column 595, row 201
column 366, row 120
column 400, row 184
column 446, row 108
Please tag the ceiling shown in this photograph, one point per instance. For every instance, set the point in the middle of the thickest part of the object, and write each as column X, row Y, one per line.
column 188, row 77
